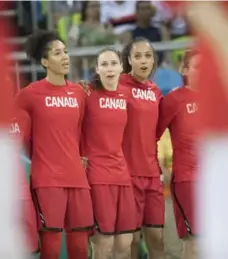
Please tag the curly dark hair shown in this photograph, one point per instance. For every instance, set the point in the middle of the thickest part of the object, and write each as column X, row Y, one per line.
column 37, row 44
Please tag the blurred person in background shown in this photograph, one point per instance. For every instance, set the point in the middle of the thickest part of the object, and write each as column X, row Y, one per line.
column 121, row 15
column 178, row 112
column 90, row 32
column 145, row 11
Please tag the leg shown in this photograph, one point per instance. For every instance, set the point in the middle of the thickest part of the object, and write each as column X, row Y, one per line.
column 51, row 208
column 78, row 221
column 139, row 195
column 122, row 246
column 183, row 204
column 103, row 246
column 135, row 245
column 189, row 248
column 125, row 223
column 104, row 198
column 154, row 242
column 154, row 218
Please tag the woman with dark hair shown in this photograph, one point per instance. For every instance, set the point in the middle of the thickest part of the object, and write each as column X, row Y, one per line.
column 61, row 191
column 178, row 112
column 140, row 144
column 111, row 188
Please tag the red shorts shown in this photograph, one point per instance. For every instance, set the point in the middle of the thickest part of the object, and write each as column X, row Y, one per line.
column 183, row 204
column 150, row 201
column 29, row 225
column 114, row 209
column 63, row 208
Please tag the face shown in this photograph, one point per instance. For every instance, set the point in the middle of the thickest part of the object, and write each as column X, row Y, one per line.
column 142, row 60
column 191, row 71
column 145, row 11
column 58, row 61
column 109, row 68
column 93, row 9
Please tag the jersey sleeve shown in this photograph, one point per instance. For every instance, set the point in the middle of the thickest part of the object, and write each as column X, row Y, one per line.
column 167, row 112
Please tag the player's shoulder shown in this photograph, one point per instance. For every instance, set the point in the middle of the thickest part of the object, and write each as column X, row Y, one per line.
column 76, row 88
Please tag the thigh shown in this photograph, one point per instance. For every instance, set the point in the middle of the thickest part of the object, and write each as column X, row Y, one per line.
column 79, row 213
column 104, row 199
column 126, row 211
column 183, row 200
column 50, row 204
column 154, row 212
column 29, row 225
column 140, row 199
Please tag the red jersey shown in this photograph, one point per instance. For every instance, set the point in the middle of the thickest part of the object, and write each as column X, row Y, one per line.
column 140, row 144
column 15, row 134
column 56, row 113
column 178, row 113
column 103, row 129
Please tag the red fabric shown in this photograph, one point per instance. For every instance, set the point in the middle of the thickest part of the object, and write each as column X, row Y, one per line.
column 140, row 144
column 178, row 112
column 77, row 245
column 56, row 113
column 103, row 128
column 29, row 225
column 114, row 208
column 213, row 96
column 183, row 197
column 50, row 245
column 69, row 208
column 150, row 202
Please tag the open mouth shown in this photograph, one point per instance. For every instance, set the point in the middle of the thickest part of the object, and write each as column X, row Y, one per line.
column 143, row 69
column 110, row 76
column 66, row 65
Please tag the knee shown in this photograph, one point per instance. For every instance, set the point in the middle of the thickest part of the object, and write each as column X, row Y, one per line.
column 123, row 243
column 136, row 239
column 154, row 239
column 104, row 243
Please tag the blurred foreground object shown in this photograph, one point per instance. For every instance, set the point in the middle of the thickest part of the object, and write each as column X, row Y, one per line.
column 213, row 85
column 11, row 240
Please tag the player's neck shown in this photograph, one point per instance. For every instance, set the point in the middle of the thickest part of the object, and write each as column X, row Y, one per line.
column 57, row 80
column 111, row 87
column 190, row 87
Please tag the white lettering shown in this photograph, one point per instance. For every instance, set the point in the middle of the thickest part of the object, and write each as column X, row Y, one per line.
column 112, row 103
column 191, row 107
column 68, row 102
column 14, row 128
column 148, row 95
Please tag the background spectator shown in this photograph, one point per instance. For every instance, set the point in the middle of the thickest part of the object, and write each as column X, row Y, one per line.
column 90, row 32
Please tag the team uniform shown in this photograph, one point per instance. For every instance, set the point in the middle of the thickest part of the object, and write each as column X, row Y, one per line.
column 60, row 188
column 111, row 189
column 140, row 150
column 28, row 214
column 178, row 112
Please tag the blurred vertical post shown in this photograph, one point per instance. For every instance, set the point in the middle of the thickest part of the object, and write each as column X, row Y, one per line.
column 11, row 241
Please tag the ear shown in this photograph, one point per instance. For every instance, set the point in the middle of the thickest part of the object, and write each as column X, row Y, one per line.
column 44, row 62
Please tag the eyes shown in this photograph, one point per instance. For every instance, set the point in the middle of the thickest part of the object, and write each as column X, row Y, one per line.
column 112, row 63
column 60, row 52
column 138, row 55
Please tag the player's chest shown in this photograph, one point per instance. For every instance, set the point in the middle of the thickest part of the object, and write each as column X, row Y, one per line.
column 143, row 101
column 56, row 107
column 107, row 108
column 187, row 118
